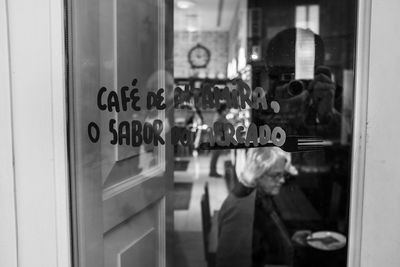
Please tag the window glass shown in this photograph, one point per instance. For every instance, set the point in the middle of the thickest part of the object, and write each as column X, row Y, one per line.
column 299, row 56
column 211, row 133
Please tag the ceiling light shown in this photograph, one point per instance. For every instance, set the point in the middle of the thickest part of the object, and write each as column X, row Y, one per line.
column 191, row 28
column 255, row 52
column 254, row 56
column 182, row 4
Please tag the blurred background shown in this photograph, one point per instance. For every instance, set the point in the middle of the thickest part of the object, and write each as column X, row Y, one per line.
column 217, row 41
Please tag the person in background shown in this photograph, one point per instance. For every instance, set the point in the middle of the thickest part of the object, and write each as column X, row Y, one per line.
column 308, row 97
column 322, row 118
column 251, row 233
column 194, row 124
column 222, row 111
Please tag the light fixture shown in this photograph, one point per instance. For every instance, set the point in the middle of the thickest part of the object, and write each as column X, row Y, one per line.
column 220, row 76
column 202, row 74
column 254, row 56
column 211, row 75
column 184, row 4
column 255, row 52
column 192, row 22
column 191, row 28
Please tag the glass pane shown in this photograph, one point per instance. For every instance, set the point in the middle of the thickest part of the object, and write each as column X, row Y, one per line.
column 300, row 56
column 246, row 159
column 119, row 158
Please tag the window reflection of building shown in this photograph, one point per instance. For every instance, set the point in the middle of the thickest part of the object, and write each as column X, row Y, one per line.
column 318, row 197
column 307, row 17
column 324, row 175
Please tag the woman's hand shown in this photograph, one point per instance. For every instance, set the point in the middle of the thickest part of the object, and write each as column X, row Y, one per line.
column 252, row 170
column 299, row 237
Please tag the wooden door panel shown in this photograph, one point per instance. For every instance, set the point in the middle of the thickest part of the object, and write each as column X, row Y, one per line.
column 118, row 190
column 120, row 206
column 137, row 241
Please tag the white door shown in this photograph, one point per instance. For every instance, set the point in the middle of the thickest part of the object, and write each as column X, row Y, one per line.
column 118, row 190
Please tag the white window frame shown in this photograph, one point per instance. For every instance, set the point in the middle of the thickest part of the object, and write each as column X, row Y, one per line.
column 307, row 22
column 34, row 188
column 359, row 132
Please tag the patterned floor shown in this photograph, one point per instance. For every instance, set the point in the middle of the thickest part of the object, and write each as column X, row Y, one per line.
column 188, row 241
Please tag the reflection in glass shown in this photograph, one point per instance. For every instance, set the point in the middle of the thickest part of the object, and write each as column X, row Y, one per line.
column 302, row 56
column 144, row 205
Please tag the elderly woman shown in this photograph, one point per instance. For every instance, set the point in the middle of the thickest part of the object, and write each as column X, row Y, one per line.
column 250, row 231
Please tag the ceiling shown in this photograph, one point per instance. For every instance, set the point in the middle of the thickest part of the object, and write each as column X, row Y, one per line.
column 204, row 15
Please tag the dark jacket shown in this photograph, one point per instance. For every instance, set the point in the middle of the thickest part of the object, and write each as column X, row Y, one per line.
column 250, row 232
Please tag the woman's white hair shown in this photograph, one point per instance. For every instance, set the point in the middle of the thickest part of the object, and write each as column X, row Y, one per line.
column 266, row 157
column 263, row 159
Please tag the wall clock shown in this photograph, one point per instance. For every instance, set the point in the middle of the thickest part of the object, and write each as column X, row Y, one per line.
column 199, row 56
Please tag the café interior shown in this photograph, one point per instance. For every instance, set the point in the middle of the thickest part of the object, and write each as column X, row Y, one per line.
column 301, row 53
column 71, row 196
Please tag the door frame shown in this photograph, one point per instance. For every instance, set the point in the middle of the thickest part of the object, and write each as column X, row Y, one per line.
column 25, row 181
column 8, row 225
column 359, row 132
column 34, row 182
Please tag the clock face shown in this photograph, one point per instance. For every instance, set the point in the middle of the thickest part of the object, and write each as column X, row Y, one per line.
column 199, row 56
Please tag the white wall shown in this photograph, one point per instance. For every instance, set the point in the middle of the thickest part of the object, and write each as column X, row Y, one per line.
column 34, row 179
column 8, row 227
column 32, row 77
column 381, row 209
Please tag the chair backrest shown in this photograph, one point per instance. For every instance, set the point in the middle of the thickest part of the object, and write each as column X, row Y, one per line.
column 207, row 200
column 283, row 238
column 206, row 223
column 336, row 194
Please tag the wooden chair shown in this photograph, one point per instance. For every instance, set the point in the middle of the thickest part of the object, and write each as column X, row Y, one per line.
column 210, row 228
column 282, row 236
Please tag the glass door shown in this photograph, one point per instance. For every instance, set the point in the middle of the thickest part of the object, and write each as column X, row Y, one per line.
column 297, row 61
column 275, row 75
column 119, row 163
